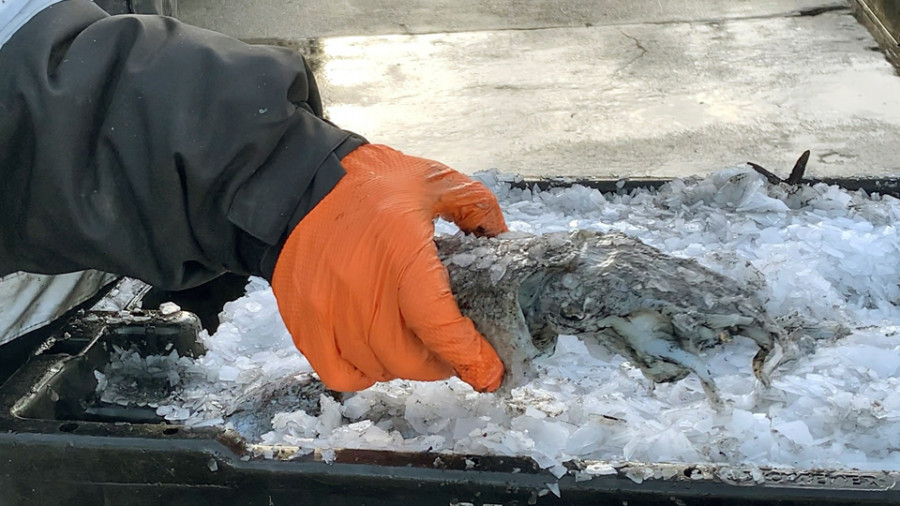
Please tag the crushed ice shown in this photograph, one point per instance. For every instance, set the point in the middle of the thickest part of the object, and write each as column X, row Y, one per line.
column 822, row 252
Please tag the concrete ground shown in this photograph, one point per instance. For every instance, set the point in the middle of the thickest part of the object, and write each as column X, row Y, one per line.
column 573, row 88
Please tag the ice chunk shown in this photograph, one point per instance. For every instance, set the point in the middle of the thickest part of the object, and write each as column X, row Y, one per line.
column 548, row 438
column 742, row 422
column 796, row 431
column 169, row 308
column 586, row 440
column 671, row 445
column 101, row 381
column 295, row 424
column 328, row 455
column 883, row 362
column 463, row 427
column 356, row 407
column 554, row 488
column 173, row 377
column 330, row 417
column 600, row 469
column 228, row 373
column 638, row 474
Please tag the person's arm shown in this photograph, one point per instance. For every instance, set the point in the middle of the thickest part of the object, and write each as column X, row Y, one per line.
column 146, row 147
column 142, row 146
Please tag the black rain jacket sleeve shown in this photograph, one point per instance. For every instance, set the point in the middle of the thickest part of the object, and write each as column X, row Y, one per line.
column 142, row 146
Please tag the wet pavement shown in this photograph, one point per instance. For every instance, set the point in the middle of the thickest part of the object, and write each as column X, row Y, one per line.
column 569, row 88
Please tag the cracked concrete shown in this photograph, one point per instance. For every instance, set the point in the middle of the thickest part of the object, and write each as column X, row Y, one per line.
column 601, row 89
column 642, row 49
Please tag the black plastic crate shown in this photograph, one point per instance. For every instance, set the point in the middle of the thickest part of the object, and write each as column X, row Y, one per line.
column 60, row 445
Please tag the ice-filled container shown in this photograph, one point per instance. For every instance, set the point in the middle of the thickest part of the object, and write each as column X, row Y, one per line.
column 61, row 443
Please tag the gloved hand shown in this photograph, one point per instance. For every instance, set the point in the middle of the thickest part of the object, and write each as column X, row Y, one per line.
column 359, row 284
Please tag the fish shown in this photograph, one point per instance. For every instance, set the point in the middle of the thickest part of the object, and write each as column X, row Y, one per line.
column 659, row 311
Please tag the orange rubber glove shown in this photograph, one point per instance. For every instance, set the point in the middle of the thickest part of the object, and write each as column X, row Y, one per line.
column 359, row 283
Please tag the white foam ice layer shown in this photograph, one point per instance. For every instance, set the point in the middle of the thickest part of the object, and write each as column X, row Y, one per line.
column 822, row 252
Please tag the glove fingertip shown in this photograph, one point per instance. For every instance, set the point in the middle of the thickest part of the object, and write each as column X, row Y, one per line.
column 486, row 373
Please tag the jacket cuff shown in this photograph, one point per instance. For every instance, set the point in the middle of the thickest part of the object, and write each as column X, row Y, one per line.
column 259, row 251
